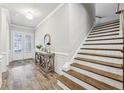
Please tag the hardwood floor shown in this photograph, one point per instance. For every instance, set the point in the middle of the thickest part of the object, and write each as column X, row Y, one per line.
column 25, row 75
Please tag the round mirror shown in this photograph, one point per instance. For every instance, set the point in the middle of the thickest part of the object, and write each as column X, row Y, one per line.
column 47, row 40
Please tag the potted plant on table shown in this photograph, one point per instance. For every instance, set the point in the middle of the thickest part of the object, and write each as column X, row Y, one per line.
column 39, row 47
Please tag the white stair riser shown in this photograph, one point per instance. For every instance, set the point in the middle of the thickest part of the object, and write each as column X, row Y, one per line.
column 62, row 85
column 108, row 81
column 104, row 37
column 109, row 27
column 106, row 59
column 101, row 67
column 83, row 84
column 103, row 34
column 108, row 24
column 107, row 41
column 106, row 29
column 116, row 53
column 104, row 46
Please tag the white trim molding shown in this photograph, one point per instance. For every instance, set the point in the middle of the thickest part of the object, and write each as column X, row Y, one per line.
column 57, row 53
column 20, row 26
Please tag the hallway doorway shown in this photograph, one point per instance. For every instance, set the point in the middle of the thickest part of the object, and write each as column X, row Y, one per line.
column 22, row 45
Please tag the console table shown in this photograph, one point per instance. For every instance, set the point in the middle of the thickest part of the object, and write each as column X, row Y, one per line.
column 45, row 61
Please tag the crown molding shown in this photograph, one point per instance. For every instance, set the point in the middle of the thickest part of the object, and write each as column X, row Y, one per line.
column 20, row 26
column 49, row 15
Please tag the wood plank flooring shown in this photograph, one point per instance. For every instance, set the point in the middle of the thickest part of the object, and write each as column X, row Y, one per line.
column 25, row 75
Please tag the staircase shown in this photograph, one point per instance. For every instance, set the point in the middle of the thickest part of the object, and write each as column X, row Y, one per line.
column 99, row 62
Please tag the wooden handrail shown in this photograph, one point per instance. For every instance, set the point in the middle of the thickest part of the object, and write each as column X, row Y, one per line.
column 118, row 12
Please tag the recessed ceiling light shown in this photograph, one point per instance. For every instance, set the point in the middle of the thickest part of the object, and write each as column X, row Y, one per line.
column 29, row 15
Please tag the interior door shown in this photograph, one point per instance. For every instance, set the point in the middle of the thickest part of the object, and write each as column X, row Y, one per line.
column 17, row 45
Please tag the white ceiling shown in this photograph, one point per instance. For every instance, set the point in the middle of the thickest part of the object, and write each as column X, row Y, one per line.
column 106, row 9
column 18, row 11
column 41, row 10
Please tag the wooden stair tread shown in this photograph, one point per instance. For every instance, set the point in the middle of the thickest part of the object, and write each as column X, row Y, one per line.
column 99, row 72
column 102, row 29
column 105, row 26
column 103, row 43
column 100, row 62
column 91, row 81
column 101, row 55
column 70, row 84
column 103, row 35
column 103, row 32
column 105, row 39
column 106, row 49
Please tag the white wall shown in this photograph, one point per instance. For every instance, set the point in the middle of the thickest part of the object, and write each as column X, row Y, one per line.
column 121, row 6
column 107, row 19
column 24, row 30
column 4, row 37
column 4, row 41
column 67, row 26
column 57, row 27
column 81, row 19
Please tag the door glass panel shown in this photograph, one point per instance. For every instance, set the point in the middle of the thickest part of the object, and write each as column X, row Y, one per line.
column 28, row 44
column 17, row 43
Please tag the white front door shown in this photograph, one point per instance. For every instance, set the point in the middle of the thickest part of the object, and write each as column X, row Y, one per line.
column 22, row 45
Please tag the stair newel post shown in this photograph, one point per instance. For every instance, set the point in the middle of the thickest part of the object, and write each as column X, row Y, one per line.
column 121, row 13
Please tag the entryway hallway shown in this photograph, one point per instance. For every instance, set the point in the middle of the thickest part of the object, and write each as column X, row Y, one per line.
column 69, row 46
column 25, row 75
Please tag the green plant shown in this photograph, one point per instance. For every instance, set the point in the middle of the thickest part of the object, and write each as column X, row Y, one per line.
column 39, row 46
